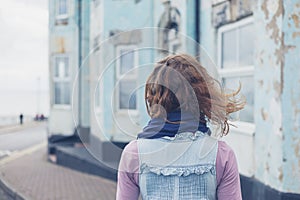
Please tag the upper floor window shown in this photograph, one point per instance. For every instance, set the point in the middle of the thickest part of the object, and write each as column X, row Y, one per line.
column 62, row 11
column 127, row 78
column 236, row 44
column 61, row 80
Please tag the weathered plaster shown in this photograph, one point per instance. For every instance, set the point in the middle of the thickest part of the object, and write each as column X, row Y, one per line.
column 291, row 97
column 264, row 114
column 296, row 20
column 268, row 109
column 296, row 34
column 274, row 24
column 264, row 7
column 60, row 43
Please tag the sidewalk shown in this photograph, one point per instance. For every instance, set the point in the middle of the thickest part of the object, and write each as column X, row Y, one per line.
column 17, row 127
column 35, row 178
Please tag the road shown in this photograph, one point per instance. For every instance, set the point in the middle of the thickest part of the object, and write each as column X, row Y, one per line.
column 22, row 139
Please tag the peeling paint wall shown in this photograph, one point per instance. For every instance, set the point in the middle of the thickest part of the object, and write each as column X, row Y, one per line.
column 268, row 88
column 276, row 145
column 291, row 96
column 277, row 94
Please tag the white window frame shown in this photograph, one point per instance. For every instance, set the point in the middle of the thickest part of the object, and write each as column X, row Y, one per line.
column 55, row 80
column 98, row 98
column 62, row 16
column 132, row 77
column 242, row 127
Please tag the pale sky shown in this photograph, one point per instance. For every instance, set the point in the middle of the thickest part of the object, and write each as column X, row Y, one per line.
column 23, row 57
column 23, row 44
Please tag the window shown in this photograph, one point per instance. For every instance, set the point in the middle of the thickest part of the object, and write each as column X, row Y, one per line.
column 62, row 9
column 127, row 78
column 236, row 44
column 61, row 80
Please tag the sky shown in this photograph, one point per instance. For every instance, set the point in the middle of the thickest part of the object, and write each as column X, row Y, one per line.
column 23, row 51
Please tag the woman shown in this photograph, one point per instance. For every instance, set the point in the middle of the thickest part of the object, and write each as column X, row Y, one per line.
column 176, row 157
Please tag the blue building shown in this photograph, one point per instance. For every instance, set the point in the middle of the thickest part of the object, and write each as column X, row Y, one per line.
column 257, row 43
column 102, row 51
column 68, row 45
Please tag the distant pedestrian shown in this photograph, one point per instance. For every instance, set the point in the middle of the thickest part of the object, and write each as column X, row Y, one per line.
column 175, row 156
column 21, row 118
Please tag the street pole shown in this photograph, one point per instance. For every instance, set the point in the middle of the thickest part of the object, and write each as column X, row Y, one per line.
column 38, row 95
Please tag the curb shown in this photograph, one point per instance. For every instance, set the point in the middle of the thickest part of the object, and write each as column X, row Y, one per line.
column 21, row 153
column 10, row 191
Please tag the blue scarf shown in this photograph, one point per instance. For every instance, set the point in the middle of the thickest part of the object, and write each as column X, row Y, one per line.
column 158, row 127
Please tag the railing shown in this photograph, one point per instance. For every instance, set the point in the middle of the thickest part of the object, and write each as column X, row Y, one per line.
column 13, row 120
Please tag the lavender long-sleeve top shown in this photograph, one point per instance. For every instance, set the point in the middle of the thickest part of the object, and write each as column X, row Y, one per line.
column 228, row 179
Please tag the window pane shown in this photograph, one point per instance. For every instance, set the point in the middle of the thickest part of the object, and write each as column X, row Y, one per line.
column 246, row 45
column 62, row 93
column 62, row 7
column 57, row 93
column 127, row 95
column 126, row 61
column 67, row 93
column 61, row 67
column 247, row 114
column 229, row 49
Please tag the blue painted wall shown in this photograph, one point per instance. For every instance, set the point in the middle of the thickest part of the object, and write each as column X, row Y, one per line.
column 84, row 62
column 277, row 95
column 291, row 95
column 125, row 16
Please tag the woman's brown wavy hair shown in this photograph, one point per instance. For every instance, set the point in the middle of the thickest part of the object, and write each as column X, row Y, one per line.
column 180, row 82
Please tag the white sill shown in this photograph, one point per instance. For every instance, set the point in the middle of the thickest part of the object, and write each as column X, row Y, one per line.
column 62, row 17
column 244, row 128
column 133, row 113
column 62, row 106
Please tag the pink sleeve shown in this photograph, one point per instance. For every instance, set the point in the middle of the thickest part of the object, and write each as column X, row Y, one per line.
column 228, row 178
column 128, row 173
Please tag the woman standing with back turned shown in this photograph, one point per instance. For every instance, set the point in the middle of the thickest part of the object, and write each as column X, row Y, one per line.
column 176, row 157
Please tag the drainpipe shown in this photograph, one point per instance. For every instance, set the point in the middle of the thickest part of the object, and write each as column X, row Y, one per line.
column 79, row 61
column 197, row 24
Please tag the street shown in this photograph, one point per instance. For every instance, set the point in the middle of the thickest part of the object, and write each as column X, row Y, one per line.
column 22, row 139
column 28, row 173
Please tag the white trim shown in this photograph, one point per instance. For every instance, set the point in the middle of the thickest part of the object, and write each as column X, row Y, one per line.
column 229, row 27
column 245, row 128
column 237, row 71
column 99, row 108
column 62, row 106
column 214, row 2
column 236, row 24
column 129, row 77
column 234, row 72
column 59, row 80
column 118, row 54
